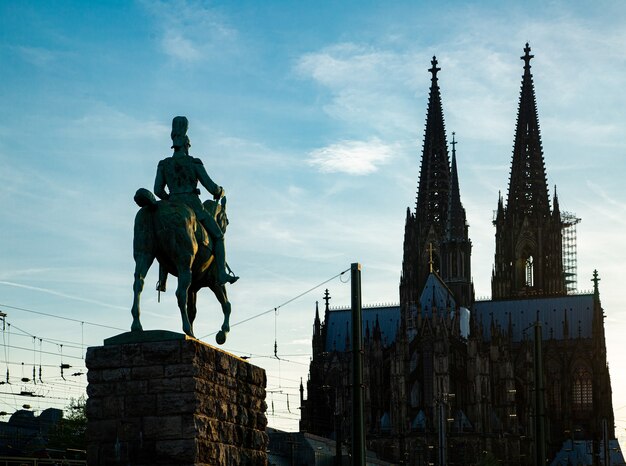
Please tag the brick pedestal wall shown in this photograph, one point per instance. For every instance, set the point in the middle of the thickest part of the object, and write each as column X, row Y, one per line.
column 173, row 402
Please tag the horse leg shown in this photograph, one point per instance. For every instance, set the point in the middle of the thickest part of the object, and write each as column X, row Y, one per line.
column 184, row 281
column 191, row 307
column 142, row 264
column 222, row 297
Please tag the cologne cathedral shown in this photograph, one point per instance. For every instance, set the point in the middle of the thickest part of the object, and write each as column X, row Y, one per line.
column 521, row 379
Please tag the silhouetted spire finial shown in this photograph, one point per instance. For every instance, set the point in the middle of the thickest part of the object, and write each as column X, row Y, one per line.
column 434, row 70
column 527, row 57
column 327, row 299
column 595, row 281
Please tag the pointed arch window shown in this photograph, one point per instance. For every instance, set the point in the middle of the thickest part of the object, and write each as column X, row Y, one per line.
column 529, row 266
column 582, row 389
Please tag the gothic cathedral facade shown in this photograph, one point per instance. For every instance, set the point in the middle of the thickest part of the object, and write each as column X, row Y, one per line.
column 453, row 380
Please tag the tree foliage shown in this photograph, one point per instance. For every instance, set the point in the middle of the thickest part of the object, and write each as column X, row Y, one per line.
column 71, row 429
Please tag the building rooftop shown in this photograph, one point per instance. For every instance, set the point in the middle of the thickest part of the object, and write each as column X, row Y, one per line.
column 522, row 314
column 338, row 327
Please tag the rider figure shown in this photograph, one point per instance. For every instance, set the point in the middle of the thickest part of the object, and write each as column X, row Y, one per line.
column 181, row 174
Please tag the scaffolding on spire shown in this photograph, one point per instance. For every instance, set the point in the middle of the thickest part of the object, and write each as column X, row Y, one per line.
column 570, row 261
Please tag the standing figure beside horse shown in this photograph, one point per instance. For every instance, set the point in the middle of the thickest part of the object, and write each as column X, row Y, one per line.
column 184, row 235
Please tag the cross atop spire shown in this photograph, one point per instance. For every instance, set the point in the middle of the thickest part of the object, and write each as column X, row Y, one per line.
column 453, row 143
column 327, row 298
column 595, row 281
column 527, row 57
column 434, row 69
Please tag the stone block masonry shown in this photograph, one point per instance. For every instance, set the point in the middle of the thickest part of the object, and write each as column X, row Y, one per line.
column 176, row 401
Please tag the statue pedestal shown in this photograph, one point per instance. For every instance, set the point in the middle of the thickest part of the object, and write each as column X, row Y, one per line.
column 158, row 398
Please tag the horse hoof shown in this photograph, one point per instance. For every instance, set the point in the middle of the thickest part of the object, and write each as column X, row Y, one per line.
column 220, row 338
column 136, row 328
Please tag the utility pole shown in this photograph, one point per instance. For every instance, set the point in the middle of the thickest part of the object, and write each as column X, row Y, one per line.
column 358, row 429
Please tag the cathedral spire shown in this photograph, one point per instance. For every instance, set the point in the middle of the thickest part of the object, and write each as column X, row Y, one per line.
column 317, row 324
column 434, row 183
column 456, row 246
column 436, row 235
column 556, row 210
column 318, row 345
column 456, row 222
column 529, row 250
column 528, row 189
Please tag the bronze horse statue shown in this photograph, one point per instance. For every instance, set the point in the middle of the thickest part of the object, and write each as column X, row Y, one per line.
column 169, row 232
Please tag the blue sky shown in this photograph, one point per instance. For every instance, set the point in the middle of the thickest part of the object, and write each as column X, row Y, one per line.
column 311, row 115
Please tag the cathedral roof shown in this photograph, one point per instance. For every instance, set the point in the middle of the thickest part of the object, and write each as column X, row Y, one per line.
column 579, row 452
column 558, row 314
column 436, row 294
column 339, row 322
column 572, row 313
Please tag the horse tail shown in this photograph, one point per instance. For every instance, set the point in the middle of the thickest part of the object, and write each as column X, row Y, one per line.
column 144, row 239
column 145, row 198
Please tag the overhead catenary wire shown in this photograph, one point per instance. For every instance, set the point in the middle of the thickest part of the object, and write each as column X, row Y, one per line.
column 95, row 324
column 70, row 387
column 17, row 363
column 274, row 309
column 248, row 354
column 54, row 341
column 44, row 352
column 52, row 390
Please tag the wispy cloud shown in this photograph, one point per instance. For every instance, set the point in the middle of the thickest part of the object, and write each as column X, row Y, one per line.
column 176, row 45
column 38, row 56
column 611, row 208
column 191, row 31
column 105, row 121
column 351, row 157
column 351, row 64
column 369, row 86
column 61, row 295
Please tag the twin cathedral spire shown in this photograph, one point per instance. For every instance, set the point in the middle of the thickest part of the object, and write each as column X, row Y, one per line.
column 529, row 251
column 440, row 341
column 528, row 258
column 436, row 234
